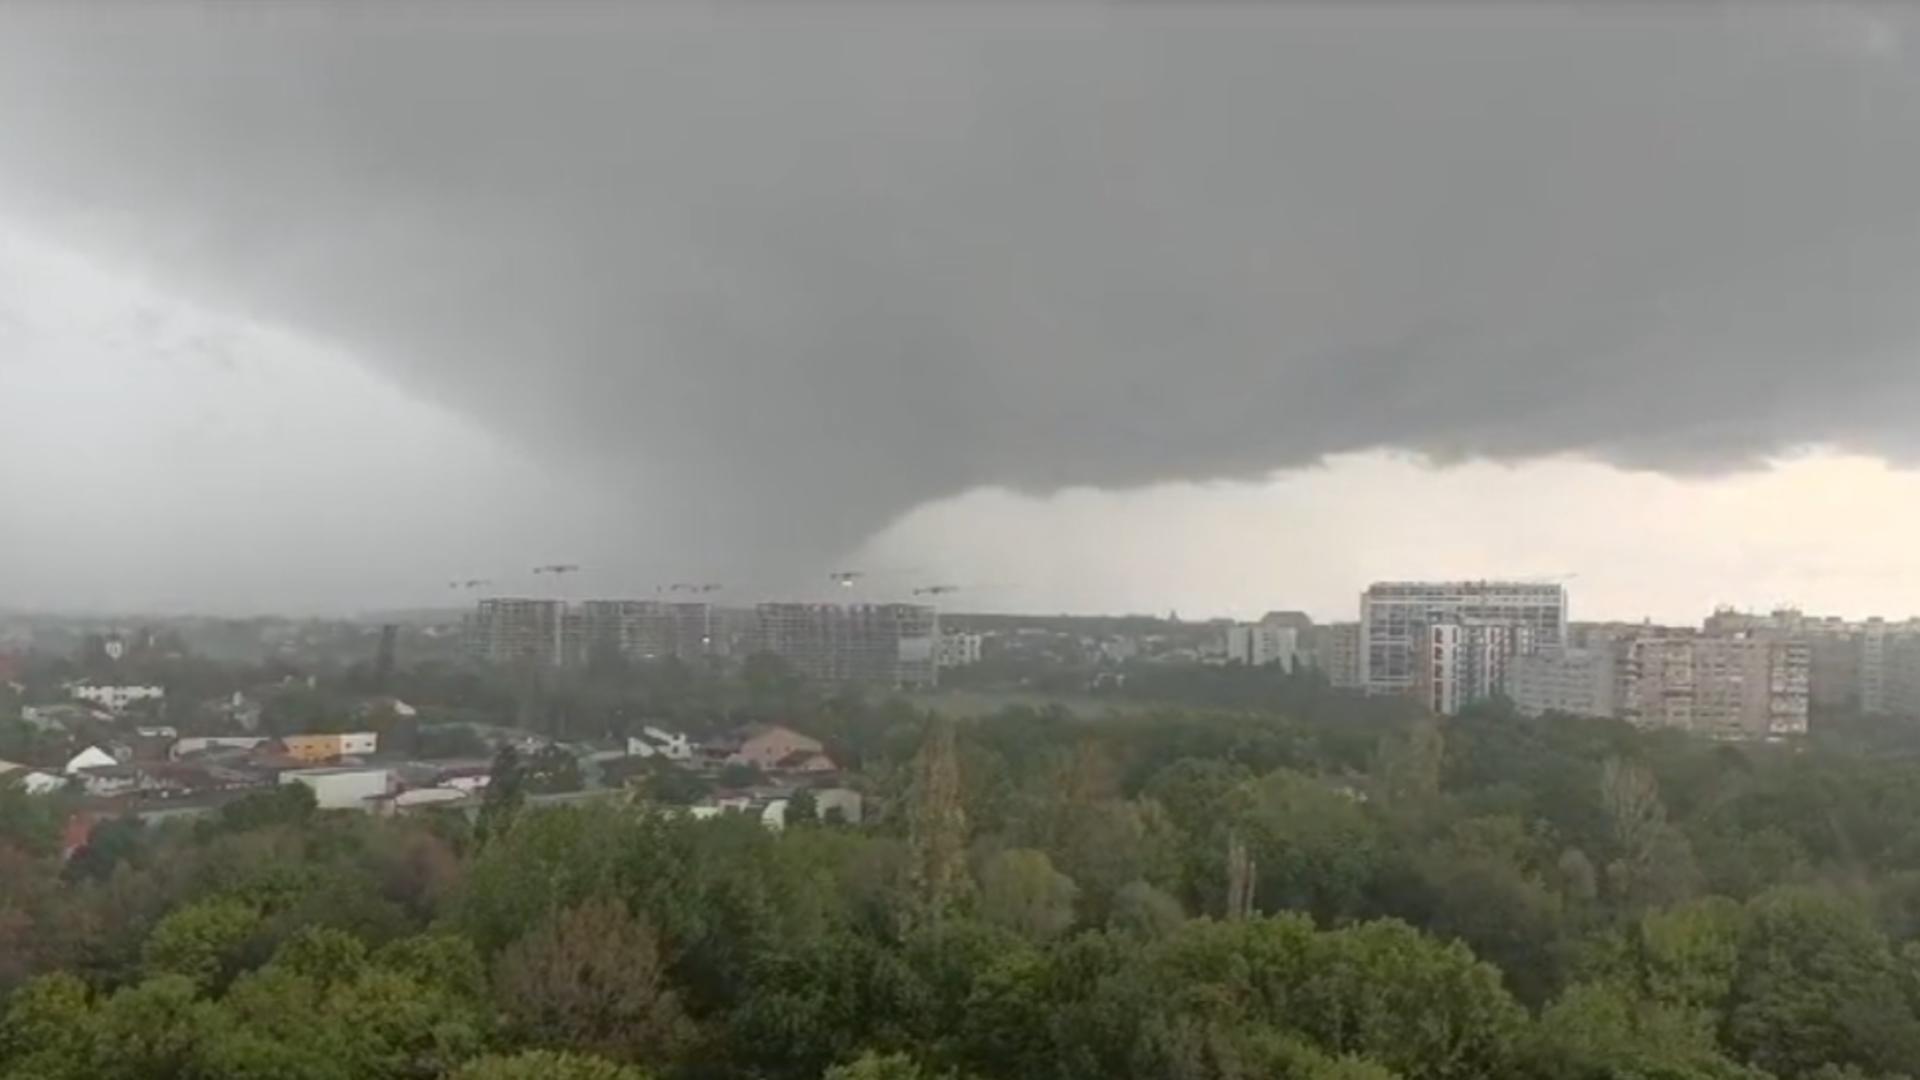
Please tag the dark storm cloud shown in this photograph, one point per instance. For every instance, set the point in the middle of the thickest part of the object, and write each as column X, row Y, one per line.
column 785, row 273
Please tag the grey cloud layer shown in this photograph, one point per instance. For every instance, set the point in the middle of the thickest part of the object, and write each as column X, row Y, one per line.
column 788, row 273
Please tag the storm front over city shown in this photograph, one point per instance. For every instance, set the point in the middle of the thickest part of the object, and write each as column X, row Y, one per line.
column 959, row 541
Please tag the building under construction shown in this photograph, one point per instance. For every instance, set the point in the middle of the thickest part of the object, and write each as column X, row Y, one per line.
column 552, row 633
column 648, row 629
column 517, row 630
column 886, row 644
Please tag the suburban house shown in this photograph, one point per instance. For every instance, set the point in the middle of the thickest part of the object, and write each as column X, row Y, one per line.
column 106, row 781
column 61, row 717
column 657, row 742
column 198, row 744
column 765, row 746
column 91, row 758
column 36, row 782
column 806, row 761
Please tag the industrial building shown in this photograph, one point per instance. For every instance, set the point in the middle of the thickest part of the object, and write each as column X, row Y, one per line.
column 345, row 788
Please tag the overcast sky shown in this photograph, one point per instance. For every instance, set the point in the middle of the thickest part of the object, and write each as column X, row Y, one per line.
column 1217, row 309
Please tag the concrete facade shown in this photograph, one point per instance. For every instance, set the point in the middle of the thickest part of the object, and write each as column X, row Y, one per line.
column 1395, row 646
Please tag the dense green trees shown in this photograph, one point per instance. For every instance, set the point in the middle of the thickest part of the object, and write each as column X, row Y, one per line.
column 1032, row 896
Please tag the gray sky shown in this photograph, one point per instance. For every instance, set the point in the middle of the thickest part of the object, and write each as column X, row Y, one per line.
column 316, row 306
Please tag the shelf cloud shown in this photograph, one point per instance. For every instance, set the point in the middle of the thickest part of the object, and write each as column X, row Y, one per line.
column 779, row 276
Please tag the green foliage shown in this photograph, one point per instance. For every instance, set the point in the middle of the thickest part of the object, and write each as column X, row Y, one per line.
column 552, row 770
column 1313, row 843
column 286, row 804
column 1818, row 984
column 803, row 808
column 202, row 942
column 1603, row 1030
column 937, row 826
column 592, row 977
column 872, row 1066
column 506, row 795
column 1022, row 892
column 29, row 823
column 545, row 1065
column 1495, row 896
column 1143, row 911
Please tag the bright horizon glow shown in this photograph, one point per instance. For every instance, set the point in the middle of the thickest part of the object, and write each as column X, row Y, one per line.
column 1823, row 530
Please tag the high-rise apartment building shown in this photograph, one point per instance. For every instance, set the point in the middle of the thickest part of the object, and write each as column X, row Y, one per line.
column 1262, row 643
column 1464, row 662
column 1742, row 687
column 517, row 630
column 1576, row 681
column 512, row 630
column 1336, row 651
column 1494, row 621
column 648, row 629
column 957, row 650
column 888, row 644
column 1854, row 664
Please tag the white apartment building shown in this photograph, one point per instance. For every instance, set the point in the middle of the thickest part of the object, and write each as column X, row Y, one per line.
column 958, row 650
column 116, row 698
column 1464, row 662
column 1262, row 643
column 1497, row 621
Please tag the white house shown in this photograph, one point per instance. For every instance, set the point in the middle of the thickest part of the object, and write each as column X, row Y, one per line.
column 427, row 796
column 656, row 742
column 91, row 758
column 958, row 650
column 41, row 783
column 107, row 781
column 846, row 800
column 195, row 744
column 116, row 698
column 359, row 742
